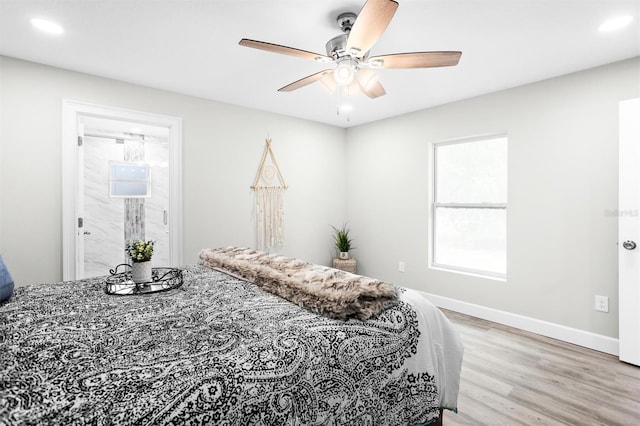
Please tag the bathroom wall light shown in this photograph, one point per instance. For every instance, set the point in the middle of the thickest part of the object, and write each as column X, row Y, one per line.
column 47, row 26
column 615, row 23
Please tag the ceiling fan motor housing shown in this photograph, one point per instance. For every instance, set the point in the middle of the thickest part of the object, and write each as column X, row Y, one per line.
column 336, row 47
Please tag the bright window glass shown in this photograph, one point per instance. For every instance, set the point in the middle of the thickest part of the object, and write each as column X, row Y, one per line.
column 127, row 180
column 470, row 205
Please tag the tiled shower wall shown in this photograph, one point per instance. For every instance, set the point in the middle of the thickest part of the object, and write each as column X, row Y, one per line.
column 105, row 218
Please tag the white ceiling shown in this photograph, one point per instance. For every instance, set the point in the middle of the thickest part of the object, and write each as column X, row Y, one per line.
column 191, row 47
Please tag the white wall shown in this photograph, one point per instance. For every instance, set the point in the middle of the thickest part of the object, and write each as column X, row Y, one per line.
column 222, row 149
column 563, row 147
column 563, row 171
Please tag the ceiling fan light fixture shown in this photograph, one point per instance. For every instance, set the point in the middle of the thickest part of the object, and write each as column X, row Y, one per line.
column 345, row 72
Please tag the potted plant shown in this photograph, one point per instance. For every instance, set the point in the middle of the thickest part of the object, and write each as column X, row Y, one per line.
column 140, row 253
column 343, row 242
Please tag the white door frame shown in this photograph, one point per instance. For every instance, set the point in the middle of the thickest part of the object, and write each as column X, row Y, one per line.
column 629, row 233
column 71, row 110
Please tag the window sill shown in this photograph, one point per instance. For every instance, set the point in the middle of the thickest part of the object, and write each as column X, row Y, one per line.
column 470, row 273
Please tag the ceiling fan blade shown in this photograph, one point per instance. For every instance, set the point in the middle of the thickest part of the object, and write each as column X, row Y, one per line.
column 374, row 91
column 415, row 60
column 369, row 25
column 285, row 50
column 329, row 82
column 368, row 83
column 304, row 81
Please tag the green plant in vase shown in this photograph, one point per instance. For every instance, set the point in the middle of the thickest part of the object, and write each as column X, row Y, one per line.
column 140, row 253
column 343, row 242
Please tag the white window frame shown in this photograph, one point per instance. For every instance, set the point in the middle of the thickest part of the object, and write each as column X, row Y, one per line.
column 146, row 181
column 434, row 205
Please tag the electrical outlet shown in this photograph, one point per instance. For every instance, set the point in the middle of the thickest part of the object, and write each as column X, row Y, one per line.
column 602, row 303
column 401, row 266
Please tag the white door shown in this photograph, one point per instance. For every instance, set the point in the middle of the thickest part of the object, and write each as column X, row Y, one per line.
column 629, row 232
column 121, row 180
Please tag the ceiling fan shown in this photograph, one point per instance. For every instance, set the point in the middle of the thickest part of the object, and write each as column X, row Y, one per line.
column 354, row 70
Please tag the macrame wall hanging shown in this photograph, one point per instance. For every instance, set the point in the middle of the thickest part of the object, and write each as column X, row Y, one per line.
column 269, row 188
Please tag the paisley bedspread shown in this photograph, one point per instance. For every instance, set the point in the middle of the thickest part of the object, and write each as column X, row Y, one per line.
column 218, row 350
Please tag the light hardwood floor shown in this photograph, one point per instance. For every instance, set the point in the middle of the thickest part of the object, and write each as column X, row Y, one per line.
column 512, row 377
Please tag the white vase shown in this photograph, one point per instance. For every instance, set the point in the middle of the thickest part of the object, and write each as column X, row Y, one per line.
column 344, row 255
column 141, row 272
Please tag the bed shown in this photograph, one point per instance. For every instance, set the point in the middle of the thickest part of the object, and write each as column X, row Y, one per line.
column 224, row 349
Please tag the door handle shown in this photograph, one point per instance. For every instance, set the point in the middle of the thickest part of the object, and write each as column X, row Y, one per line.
column 165, row 217
column 629, row 245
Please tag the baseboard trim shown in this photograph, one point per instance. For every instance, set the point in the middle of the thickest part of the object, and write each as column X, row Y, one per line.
column 575, row 336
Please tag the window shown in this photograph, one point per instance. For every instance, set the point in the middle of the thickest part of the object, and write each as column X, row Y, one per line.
column 470, row 206
column 129, row 180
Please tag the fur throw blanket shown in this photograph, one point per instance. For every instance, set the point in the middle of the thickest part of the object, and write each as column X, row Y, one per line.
column 332, row 292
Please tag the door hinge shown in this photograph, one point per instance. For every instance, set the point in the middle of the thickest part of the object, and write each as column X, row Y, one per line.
column 79, row 140
column 80, row 222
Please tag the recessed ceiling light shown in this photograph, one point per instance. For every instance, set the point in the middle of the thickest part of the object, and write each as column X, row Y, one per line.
column 47, row 26
column 615, row 23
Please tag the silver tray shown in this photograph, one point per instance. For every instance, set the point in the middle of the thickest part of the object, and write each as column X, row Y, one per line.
column 162, row 279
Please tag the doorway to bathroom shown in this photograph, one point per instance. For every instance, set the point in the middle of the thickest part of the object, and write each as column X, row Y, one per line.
column 121, row 181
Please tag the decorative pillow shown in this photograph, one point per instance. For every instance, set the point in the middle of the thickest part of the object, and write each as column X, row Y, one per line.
column 6, row 282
